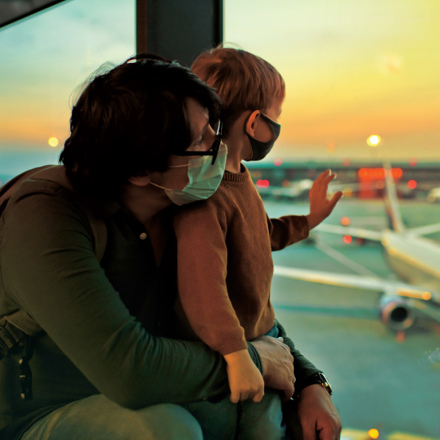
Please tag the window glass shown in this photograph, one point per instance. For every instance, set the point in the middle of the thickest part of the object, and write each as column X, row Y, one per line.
column 362, row 89
column 44, row 59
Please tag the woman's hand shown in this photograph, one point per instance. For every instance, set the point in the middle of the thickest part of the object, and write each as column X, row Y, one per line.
column 277, row 364
column 318, row 416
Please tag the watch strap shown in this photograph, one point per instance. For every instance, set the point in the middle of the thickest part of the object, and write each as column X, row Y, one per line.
column 318, row 378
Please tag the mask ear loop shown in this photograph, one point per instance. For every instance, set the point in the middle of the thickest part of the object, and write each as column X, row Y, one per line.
column 179, row 166
column 158, row 186
column 245, row 130
column 171, row 166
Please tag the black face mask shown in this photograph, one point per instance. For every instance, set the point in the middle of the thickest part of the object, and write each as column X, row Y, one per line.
column 261, row 149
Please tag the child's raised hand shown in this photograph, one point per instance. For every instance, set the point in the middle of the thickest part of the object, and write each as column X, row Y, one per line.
column 320, row 206
column 245, row 380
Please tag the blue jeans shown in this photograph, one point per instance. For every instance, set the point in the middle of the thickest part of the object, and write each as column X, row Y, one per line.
column 246, row 420
column 98, row 418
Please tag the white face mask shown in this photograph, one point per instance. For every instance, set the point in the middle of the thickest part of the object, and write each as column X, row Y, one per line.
column 203, row 178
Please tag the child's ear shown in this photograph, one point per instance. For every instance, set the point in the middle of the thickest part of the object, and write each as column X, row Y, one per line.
column 140, row 180
column 252, row 122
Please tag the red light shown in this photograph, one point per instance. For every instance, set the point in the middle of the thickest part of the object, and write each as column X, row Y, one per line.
column 413, row 162
column 278, row 162
column 397, row 173
column 412, row 184
column 347, row 239
column 262, row 183
column 378, row 173
column 345, row 221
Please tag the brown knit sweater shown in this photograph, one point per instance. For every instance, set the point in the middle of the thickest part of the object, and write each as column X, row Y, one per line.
column 225, row 262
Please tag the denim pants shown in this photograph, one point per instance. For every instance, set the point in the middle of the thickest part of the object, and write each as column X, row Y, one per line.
column 98, row 418
column 246, row 420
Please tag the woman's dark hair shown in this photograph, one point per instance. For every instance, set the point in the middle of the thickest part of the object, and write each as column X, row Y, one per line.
column 128, row 120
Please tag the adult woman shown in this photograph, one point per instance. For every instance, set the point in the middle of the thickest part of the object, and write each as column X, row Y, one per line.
column 101, row 366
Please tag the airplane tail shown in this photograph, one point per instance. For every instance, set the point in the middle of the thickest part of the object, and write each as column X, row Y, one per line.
column 391, row 201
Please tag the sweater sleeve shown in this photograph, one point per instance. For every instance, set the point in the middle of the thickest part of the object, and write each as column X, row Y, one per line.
column 202, row 259
column 48, row 267
column 303, row 368
column 287, row 230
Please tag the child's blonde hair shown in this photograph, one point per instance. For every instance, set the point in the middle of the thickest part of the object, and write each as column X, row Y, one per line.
column 242, row 80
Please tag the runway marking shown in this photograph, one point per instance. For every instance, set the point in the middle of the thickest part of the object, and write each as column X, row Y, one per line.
column 332, row 253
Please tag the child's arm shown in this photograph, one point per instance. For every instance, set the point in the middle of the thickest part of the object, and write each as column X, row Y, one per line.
column 320, row 206
column 245, row 380
column 291, row 229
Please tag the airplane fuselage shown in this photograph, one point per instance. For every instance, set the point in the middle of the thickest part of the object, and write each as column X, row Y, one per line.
column 415, row 259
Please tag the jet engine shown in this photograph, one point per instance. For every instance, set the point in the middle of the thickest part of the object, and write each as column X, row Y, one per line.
column 396, row 313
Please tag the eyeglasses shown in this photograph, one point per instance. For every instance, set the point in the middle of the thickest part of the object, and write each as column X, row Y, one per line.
column 213, row 151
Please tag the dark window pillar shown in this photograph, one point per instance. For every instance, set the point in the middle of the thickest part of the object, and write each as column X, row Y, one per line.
column 178, row 29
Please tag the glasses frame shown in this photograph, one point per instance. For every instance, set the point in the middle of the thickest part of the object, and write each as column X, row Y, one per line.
column 213, row 151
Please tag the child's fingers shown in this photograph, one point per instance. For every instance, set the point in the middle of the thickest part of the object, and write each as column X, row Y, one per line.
column 235, row 397
column 335, row 199
column 329, row 178
column 257, row 398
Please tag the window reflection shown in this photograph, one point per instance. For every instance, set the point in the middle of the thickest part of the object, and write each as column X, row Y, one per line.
column 44, row 58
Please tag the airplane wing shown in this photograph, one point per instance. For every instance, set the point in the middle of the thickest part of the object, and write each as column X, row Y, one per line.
column 425, row 230
column 375, row 284
column 348, row 230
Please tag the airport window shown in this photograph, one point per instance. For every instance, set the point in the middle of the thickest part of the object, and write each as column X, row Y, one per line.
column 362, row 89
column 44, row 59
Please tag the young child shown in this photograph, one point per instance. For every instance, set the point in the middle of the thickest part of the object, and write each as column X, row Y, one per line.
column 225, row 265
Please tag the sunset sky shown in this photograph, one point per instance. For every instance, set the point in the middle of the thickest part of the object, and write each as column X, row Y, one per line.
column 352, row 68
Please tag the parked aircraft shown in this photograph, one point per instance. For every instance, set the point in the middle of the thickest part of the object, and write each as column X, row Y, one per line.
column 413, row 257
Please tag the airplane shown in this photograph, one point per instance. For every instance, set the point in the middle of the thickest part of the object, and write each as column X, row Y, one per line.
column 413, row 257
column 294, row 190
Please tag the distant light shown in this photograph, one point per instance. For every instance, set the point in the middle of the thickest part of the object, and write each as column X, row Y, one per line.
column 412, row 184
column 262, row 183
column 345, row 221
column 397, row 173
column 374, row 140
column 346, row 162
column 347, row 239
column 378, row 173
column 278, row 162
column 373, row 434
column 53, row 142
column 412, row 162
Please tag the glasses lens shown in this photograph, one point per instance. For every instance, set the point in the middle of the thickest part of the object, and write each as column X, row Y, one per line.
column 218, row 129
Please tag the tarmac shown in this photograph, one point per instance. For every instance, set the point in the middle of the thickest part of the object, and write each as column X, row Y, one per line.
column 380, row 380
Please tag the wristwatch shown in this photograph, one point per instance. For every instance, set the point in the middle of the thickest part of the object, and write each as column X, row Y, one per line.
column 316, row 378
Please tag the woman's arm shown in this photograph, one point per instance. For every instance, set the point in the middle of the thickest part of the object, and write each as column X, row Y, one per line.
column 48, row 267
